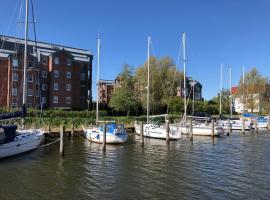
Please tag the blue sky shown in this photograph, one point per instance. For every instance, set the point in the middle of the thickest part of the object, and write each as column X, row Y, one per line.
column 232, row 32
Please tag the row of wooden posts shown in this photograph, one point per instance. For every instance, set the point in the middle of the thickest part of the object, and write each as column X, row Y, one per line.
column 62, row 132
column 228, row 129
column 228, row 132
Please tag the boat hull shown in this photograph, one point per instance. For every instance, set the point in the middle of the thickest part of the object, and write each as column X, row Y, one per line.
column 236, row 125
column 110, row 138
column 158, row 132
column 25, row 141
column 202, row 131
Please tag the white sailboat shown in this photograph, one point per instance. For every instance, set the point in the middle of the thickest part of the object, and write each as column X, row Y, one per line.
column 199, row 128
column 152, row 129
column 13, row 141
column 262, row 122
column 115, row 133
column 237, row 124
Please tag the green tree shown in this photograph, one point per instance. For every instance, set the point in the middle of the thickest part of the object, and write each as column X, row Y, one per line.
column 253, row 90
column 225, row 102
column 164, row 80
column 124, row 98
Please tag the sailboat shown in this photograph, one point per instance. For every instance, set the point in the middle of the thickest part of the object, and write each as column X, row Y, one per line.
column 15, row 141
column 237, row 123
column 152, row 129
column 200, row 126
column 262, row 122
column 115, row 133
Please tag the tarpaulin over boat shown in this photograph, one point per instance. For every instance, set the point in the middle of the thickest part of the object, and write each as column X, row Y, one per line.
column 109, row 128
column 248, row 115
column 8, row 133
column 13, row 115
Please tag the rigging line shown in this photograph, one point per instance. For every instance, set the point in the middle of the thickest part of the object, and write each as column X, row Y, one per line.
column 171, row 91
column 176, row 67
column 159, row 70
column 31, row 148
column 187, row 103
column 158, row 67
column 18, row 31
column 36, row 59
column 10, row 21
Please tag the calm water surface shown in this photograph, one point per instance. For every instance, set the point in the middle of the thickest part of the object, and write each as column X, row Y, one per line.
column 234, row 167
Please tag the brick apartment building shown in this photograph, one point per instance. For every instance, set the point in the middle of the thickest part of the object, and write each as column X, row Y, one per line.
column 58, row 76
column 106, row 88
column 189, row 89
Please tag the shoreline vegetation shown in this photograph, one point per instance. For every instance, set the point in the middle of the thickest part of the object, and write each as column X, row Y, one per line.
column 56, row 118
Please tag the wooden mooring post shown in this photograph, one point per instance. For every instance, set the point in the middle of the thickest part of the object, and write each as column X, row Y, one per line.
column 167, row 132
column 213, row 128
column 62, row 131
column 268, row 124
column 229, row 130
column 49, row 129
column 191, row 129
column 72, row 130
column 256, row 127
column 141, row 133
column 243, row 126
column 104, row 136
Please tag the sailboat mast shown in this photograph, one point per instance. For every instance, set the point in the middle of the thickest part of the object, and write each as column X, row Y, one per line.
column 243, row 82
column 231, row 92
column 148, row 76
column 98, row 65
column 184, row 60
column 25, row 55
column 221, row 86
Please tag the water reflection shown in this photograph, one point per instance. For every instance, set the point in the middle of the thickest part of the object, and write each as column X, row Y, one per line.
column 234, row 167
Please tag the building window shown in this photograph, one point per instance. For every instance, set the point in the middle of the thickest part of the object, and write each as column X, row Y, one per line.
column 14, row 92
column 55, row 99
column 68, row 87
column 15, row 63
column 44, row 74
column 15, row 76
column 55, row 86
column 68, row 74
column 44, row 61
column 68, row 62
column 56, row 74
column 44, row 87
column 29, row 92
column 83, row 78
column 56, row 60
column 44, row 100
column 68, row 100
column 29, row 104
column 30, row 64
column 30, row 77
column 14, row 103
column 37, row 90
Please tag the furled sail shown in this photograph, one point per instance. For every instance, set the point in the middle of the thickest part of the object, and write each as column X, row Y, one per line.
column 13, row 115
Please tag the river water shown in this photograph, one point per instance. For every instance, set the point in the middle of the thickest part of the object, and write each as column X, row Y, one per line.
column 234, row 167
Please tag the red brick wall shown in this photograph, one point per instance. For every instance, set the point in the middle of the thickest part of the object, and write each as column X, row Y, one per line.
column 79, row 88
column 4, row 62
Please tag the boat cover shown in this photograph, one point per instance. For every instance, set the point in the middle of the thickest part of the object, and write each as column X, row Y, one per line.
column 13, row 115
column 8, row 133
column 109, row 128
